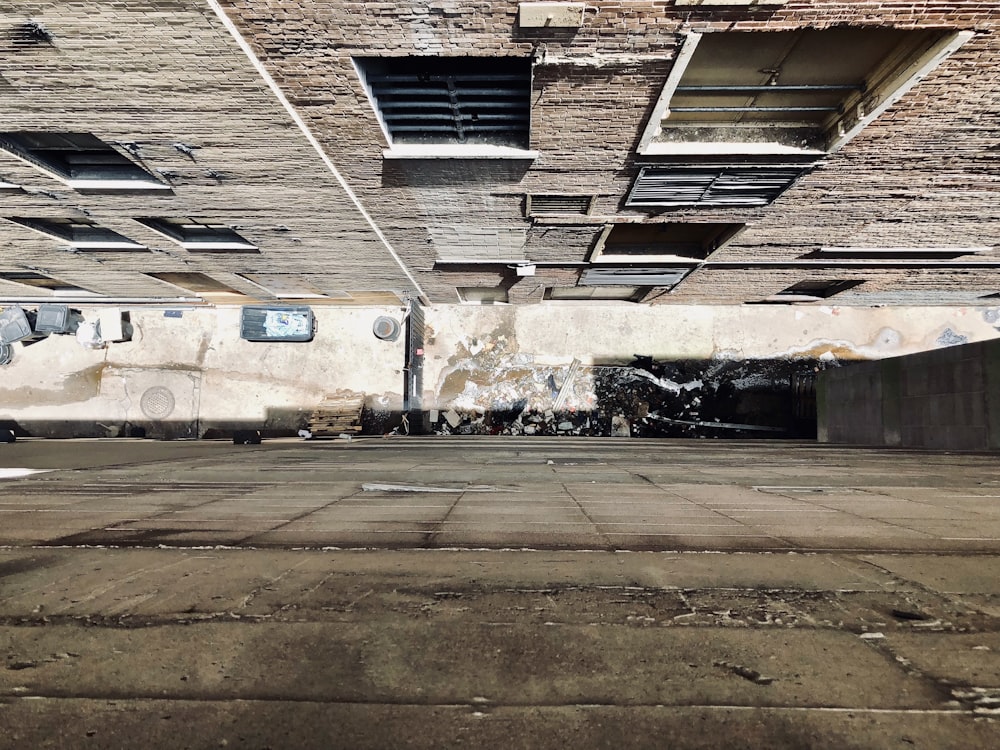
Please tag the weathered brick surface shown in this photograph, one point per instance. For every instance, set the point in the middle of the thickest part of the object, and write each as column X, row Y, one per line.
column 156, row 73
column 881, row 285
column 924, row 174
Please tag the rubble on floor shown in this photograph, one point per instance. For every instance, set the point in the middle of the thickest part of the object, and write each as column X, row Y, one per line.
column 514, row 395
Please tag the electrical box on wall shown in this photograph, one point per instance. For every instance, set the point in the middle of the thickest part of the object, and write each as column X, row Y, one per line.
column 551, row 15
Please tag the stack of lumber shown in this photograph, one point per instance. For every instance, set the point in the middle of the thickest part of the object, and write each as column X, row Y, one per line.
column 337, row 416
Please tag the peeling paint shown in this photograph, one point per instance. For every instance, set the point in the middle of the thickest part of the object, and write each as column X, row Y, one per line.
column 948, row 337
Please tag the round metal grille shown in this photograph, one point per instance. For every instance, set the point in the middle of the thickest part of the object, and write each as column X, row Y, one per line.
column 157, row 402
column 386, row 328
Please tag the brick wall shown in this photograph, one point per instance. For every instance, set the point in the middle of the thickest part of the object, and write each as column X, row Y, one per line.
column 167, row 77
column 735, row 285
column 920, row 175
column 158, row 73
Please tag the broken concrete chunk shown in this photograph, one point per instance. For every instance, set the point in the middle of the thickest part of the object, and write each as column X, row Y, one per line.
column 745, row 672
column 451, row 416
column 620, row 426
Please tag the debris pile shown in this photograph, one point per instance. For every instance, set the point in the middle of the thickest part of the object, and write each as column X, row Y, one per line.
column 498, row 392
column 336, row 416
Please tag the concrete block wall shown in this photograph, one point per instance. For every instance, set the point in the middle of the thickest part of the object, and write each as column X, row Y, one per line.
column 945, row 399
column 588, row 109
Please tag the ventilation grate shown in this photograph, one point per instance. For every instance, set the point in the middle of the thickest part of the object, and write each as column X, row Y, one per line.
column 558, row 205
column 819, row 288
column 712, row 186
column 633, row 276
column 452, row 100
column 82, row 158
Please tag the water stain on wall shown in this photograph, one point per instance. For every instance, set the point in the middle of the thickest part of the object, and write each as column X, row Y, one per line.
column 78, row 386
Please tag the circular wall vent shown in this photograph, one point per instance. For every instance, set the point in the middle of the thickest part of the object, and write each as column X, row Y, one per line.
column 386, row 328
column 157, row 402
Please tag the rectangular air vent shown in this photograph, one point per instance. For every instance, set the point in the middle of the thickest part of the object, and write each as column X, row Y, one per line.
column 813, row 289
column 633, row 276
column 200, row 235
column 558, row 205
column 79, row 234
column 29, row 34
column 82, row 160
column 434, row 100
column 708, row 186
column 30, row 278
column 804, row 90
column 652, row 242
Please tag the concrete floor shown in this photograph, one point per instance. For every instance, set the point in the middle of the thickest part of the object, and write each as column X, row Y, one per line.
column 436, row 492
column 373, row 649
column 584, row 592
column 601, row 333
column 184, row 377
column 482, row 592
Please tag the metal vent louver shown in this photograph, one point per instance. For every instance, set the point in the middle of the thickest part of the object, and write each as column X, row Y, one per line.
column 632, row 276
column 559, row 205
column 723, row 186
column 452, row 99
column 80, row 157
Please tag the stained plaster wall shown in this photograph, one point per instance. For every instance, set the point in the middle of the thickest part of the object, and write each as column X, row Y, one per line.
column 492, row 340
